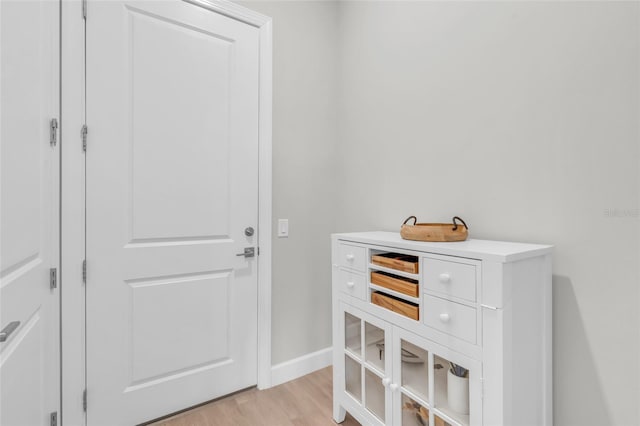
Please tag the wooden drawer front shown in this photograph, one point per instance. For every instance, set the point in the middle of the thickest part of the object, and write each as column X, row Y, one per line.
column 352, row 283
column 398, row 261
column 352, row 257
column 450, row 278
column 401, row 285
column 449, row 317
column 403, row 308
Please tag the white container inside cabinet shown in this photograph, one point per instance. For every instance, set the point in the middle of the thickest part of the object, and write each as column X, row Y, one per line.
column 401, row 324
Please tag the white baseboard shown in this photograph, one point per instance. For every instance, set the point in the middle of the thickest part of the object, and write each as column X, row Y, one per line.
column 298, row 367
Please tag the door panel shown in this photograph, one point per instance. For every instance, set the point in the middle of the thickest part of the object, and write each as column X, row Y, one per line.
column 23, row 396
column 180, row 87
column 198, row 338
column 172, row 112
column 29, row 369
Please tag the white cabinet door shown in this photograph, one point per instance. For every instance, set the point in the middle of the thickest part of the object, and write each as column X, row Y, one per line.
column 364, row 365
column 172, row 183
column 421, row 369
column 29, row 308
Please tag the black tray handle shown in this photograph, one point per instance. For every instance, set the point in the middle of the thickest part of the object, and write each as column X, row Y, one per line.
column 415, row 219
column 455, row 225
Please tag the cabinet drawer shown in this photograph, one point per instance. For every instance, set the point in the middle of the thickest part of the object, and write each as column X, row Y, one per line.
column 450, row 278
column 398, row 261
column 352, row 257
column 450, row 317
column 398, row 306
column 352, row 283
column 401, row 285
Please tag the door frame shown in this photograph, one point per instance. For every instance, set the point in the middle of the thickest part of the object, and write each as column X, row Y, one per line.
column 72, row 200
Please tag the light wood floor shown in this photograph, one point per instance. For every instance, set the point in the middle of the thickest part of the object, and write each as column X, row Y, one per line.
column 302, row 402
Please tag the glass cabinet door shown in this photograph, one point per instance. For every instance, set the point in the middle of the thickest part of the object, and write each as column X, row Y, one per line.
column 425, row 395
column 366, row 363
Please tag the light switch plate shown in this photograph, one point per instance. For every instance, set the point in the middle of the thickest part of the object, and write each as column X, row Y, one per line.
column 283, row 228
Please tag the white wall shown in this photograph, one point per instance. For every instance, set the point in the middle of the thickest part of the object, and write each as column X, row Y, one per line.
column 522, row 118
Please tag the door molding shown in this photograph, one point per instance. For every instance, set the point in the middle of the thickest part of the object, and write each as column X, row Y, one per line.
column 73, row 363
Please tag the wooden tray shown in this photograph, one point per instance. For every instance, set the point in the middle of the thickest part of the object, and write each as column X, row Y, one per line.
column 396, row 305
column 436, row 232
column 401, row 285
column 401, row 262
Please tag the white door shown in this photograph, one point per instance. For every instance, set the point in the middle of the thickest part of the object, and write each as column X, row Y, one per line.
column 29, row 308
column 172, row 184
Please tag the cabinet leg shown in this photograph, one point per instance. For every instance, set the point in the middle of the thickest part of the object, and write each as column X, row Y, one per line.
column 339, row 413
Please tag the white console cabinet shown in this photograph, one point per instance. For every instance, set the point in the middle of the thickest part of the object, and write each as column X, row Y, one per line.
column 405, row 313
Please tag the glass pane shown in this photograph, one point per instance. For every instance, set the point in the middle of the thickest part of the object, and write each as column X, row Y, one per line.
column 451, row 383
column 413, row 413
column 352, row 333
column 353, row 378
column 415, row 369
column 374, row 338
column 374, row 394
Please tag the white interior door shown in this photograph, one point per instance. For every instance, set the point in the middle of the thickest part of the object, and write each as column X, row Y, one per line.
column 29, row 308
column 172, row 183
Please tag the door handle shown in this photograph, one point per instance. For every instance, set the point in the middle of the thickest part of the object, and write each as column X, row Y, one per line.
column 10, row 328
column 248, row 252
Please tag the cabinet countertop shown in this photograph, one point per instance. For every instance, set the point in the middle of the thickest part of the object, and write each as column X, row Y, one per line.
column 497, row 251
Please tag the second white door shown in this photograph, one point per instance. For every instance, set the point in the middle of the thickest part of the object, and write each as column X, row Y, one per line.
column 172, row 185
column 29, row 190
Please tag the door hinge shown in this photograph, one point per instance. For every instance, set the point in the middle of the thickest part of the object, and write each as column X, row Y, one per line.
column 84, row 271
column 258, row 251
column 83, row 133
column 84, row 9
column 53, row 131
column 84, row 400
column 53, row 278
column 53, row 419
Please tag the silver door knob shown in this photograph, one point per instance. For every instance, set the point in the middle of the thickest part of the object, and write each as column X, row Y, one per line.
column 249, row 231
column 248, row 252
column 10, row 328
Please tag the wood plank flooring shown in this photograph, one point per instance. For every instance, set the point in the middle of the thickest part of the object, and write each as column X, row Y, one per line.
column 306, row 401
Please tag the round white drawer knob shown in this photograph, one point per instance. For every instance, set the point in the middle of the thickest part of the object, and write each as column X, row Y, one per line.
column 350, row 284
column 444, row 317
column 350, row 257
column 386, row 382
column 394, row 387
column 445, row 278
